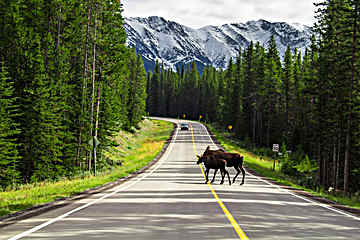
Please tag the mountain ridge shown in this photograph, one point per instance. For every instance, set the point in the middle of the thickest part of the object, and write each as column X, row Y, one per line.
column 173, row 44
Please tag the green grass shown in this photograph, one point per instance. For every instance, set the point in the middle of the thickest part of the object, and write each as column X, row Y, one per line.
column 134, row 151
column 264, row 167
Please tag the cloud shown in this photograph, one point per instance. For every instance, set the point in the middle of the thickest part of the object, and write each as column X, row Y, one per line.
column 199, row 13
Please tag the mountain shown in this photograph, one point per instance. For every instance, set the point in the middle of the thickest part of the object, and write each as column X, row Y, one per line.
column 173, row 44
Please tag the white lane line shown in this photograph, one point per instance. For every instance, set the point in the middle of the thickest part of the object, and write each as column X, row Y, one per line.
column 301, row 197
column 186, row 135
column 37, row 228
column 315, row 203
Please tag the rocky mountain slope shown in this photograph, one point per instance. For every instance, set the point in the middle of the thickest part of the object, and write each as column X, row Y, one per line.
column 172, row 44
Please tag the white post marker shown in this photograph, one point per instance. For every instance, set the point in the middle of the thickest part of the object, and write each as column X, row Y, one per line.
column 275, row 150
column 275, row 147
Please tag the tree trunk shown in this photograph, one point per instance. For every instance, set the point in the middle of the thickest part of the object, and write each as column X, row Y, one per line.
column 254, row 126
column 96, row 125
column 84, row 86
column 334, row 181
column 93, row 87
column 349, row 120
column 268, row 135
column 338, row 163
column 347, row 158
column 320, row 164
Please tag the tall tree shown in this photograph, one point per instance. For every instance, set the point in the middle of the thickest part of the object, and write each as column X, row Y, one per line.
column 137, row 93
column 288, row 92
column 9, row 155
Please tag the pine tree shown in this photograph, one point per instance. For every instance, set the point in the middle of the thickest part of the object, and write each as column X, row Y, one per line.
column 211, row 95
column 9, row 155
column 249, row 93
column 229, row 80
column 272, row 92
column 220, row 103
column 137, row 94
column 338, row 29
column 54, row 58
column 288, row 92
column 155, row 92
column 259, row 61
column 298, row 103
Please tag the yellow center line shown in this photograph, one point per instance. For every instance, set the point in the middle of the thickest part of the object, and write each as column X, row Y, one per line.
column 233, row 222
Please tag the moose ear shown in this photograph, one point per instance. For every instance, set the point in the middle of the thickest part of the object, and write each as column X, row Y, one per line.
column 208, row 148
column 198, row 156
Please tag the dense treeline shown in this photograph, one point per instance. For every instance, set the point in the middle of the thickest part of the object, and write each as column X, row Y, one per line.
column 67, row 84
column 307, row 102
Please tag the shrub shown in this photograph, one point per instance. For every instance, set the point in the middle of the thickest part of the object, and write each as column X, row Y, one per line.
column 306, row 166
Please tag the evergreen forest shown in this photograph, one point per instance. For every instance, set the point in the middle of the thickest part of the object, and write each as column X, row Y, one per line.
column 308, row 103
column 67, row 84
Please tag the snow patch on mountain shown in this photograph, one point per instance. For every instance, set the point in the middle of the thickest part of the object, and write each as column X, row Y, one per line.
column 173, row 44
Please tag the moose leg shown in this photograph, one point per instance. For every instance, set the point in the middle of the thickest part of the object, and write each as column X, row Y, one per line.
column 222, row 171
column 243, row 173
column 214, row 176
column 238, row 171
column 206, row 175
column 226, row 172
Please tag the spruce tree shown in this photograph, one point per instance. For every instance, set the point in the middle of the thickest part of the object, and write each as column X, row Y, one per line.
column 155, row 92
column 288, row 93
column 229, row 80
column 259, row 63
column 272, row 95
column 137, row 90
column 9, row 155
column 249, row 93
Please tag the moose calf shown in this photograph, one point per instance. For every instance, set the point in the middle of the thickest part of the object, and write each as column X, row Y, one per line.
column 212, row 162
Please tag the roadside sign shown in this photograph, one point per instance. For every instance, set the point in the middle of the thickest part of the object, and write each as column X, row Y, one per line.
column 201, row 117
column 275, row 148
column 230, row 127
column 184, row 116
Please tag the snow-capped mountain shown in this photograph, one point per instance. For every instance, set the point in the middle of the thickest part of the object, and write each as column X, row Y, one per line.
column 172, row 44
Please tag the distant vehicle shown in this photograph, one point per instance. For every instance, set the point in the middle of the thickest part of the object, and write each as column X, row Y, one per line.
column 184, row 126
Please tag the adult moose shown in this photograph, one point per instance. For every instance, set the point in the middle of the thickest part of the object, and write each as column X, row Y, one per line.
column 213, row 162
column 232, row 160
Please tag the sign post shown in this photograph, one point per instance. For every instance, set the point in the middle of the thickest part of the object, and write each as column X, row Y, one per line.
column 275, row 150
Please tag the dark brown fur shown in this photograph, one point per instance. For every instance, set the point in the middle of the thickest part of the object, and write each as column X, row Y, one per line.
column 232, row 160
column 212, row 162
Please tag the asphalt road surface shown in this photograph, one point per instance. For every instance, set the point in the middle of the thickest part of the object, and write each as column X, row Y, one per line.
column 171, row 201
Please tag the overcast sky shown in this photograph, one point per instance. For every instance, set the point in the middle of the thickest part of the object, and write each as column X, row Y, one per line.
column 200, row 13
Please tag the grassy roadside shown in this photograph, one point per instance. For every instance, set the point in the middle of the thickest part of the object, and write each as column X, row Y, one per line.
column 134, row 152
column 264, row 167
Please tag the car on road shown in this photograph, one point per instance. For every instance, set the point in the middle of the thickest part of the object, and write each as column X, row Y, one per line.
column 184, row 126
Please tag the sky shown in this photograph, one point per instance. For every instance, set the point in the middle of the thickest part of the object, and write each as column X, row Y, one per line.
column 200, row 13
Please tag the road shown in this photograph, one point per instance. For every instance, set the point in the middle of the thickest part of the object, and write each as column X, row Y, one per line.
column 171, row 201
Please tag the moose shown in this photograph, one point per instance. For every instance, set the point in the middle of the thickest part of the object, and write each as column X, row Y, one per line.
column 232, row 160
column 213, row 162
